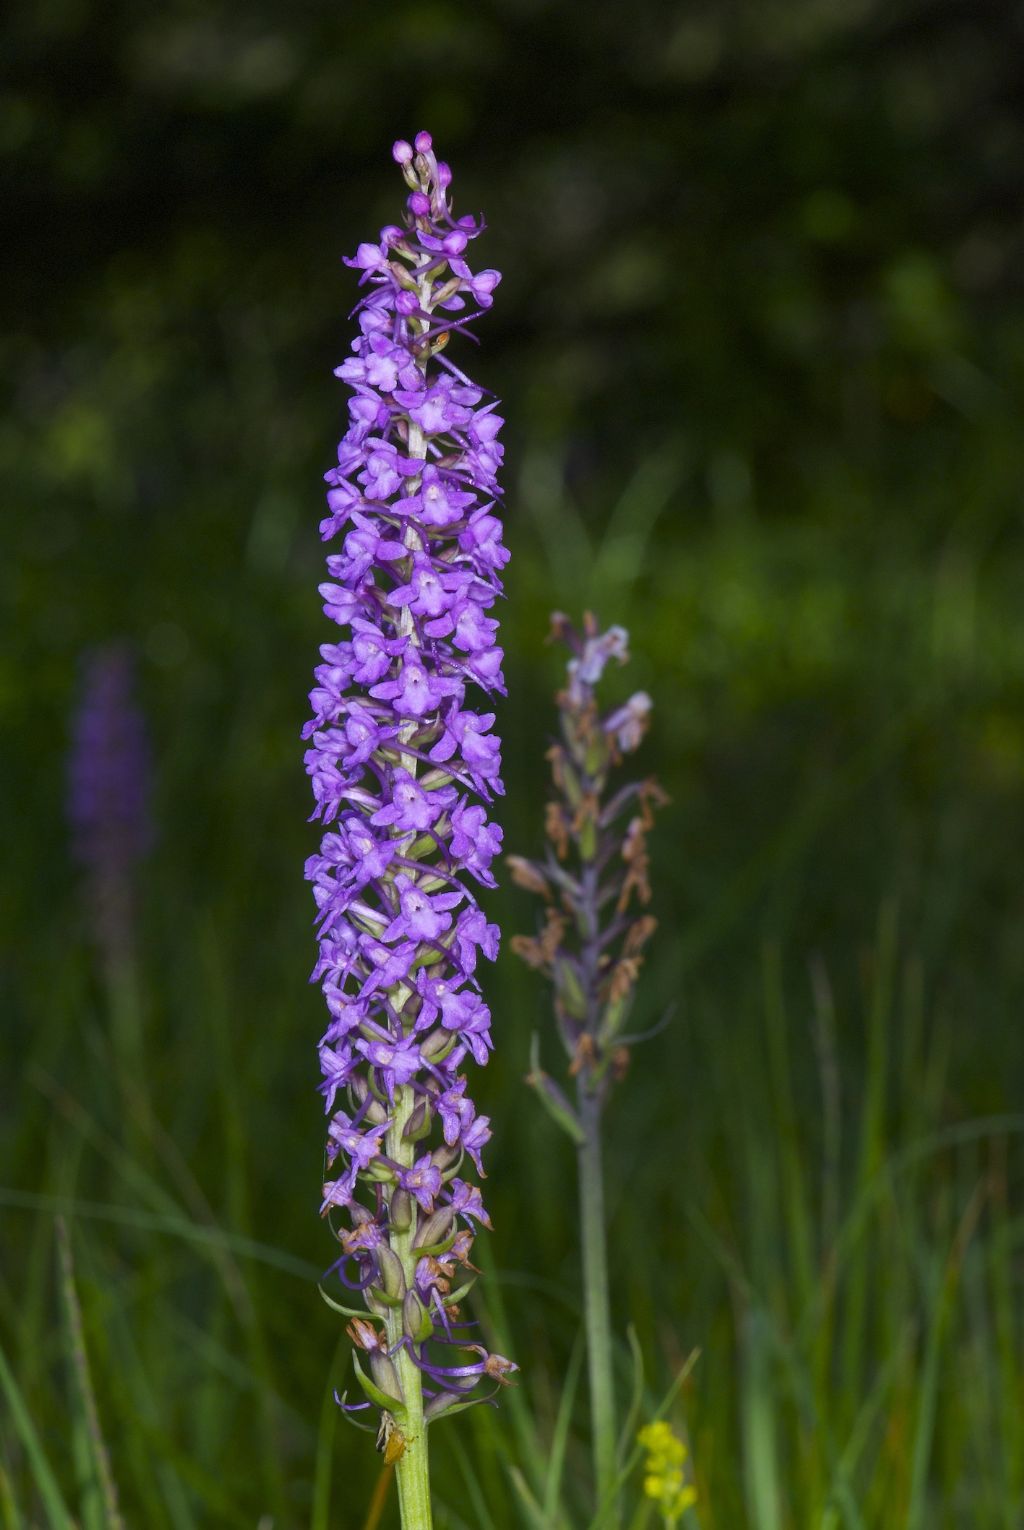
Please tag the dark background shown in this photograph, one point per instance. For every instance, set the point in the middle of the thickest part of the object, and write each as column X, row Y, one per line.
column 760, row 343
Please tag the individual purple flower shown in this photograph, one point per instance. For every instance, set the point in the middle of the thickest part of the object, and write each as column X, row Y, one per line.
column 475, row 841
column 423, row 1181
column 465, row 1200
column 108, row 795
column 403, row 760
column 361, row 1147
column 423, row 916
column 461, row 1122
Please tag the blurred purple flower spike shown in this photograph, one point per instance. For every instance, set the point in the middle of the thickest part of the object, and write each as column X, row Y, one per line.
column 108, row 795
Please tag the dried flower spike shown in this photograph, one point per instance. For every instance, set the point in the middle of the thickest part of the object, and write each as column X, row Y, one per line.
column 593, row 880
column 404, row 772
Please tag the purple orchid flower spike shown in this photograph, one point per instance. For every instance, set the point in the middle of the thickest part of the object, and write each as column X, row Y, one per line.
column 405, row 768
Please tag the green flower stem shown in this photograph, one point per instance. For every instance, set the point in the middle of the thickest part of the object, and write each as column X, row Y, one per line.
column 597, row 1312
column 412, row 1467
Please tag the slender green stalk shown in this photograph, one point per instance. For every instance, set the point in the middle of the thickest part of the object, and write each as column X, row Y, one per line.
column 412, row 1466
column 87, row 1398
column 597, row 1309
column 127, row 1042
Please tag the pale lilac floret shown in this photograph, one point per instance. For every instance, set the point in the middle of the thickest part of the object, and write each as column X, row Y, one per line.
column 467, row 1015
column 423, row 915
column 423, row 1181
column 466, row 1202
column 361, row 1148
column 472, row 932
column 475, row 841
column 461, row 1123
column 467, row 733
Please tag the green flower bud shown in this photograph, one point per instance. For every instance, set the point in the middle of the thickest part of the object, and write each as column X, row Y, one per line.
column 384, row 1374
column 418, row 1125
column 415, row 1319
column 569, row 988
column 400, row 1211
column 434, row 1229
column 392, row 1274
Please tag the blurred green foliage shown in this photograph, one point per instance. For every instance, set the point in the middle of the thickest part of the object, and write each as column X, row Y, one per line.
column 760, row 343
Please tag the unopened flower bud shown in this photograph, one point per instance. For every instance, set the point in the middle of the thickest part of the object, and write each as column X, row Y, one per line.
column 419, row 1123
column 446, row 291
column 404, row 277
column 434, row 1229
column 437, row 1045
column 391, row 1272
column 439, row 1405
column 384, row 1374
column 400, row 1215
column 415, row 1319
column 595, row 755
column 569, row 988
column 569, row 782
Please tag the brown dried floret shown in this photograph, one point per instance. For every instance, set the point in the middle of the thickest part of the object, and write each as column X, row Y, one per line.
column 539, row 951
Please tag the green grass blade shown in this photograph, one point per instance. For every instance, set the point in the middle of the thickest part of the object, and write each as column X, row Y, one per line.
column 9, row 1511
column 636, row 1401
column 532, row 1511
column 759, row 1406
column 42, row 1473
column 529, row 1449
column 174, row 1223
column 481, row 1513
column 324, row 1459
column 560, row 1434
column 787, row 1131
column 104, row 1514
column 944, row 1283
column 860, row 1274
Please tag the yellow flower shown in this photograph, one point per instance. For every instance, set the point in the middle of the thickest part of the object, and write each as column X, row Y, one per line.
column 664, row 1481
